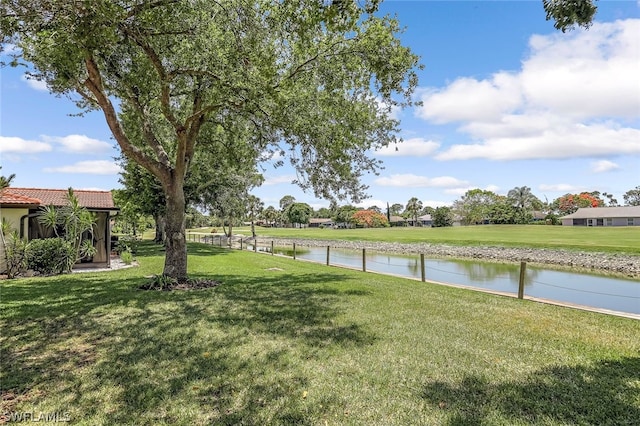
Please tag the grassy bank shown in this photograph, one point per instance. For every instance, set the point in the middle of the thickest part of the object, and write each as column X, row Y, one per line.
column 285, row 342
column 604, row 239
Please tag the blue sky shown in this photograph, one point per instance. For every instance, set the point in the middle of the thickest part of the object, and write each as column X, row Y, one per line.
column 507, row 101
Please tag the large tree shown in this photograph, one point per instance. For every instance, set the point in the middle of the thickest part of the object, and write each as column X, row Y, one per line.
column 474, row 206
column 413, row 209
column 307, row 76
column 632, row 197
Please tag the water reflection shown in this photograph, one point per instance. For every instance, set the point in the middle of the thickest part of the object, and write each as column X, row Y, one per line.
column 616, row 294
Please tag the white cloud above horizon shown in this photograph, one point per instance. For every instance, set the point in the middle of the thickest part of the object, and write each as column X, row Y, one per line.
column 558, row 105
column 16, row 145
column 604, row 166
column 79, row 144
column 38, row 85
column 97, row 167
column 561, row 187
column 414, row 181
column 414, row 147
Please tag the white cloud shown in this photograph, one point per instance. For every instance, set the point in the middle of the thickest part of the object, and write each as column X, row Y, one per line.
column 80, row 144
column 414, row 147
column 98, row 167
column 469, row 99
column 18, row 145
column 275, row 180
column 575, row 96
column 414, row 181
column 560, row 187
column 570, row 140
column 38, row 85
column 372, row 202
column 463, row 190
column 603, row 166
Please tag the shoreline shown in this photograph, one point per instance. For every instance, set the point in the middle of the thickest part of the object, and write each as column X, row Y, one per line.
column 621, row 264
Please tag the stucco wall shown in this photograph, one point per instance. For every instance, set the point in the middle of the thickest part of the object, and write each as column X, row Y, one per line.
column 12, row 215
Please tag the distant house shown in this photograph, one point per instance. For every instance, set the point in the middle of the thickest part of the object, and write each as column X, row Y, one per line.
column 397, row 221
column 20, row 207
column 604, row 216
column 317, row 222
column 424, row 220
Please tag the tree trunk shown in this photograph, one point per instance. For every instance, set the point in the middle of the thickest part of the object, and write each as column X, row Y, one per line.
column 161, row 223
column 175, row 263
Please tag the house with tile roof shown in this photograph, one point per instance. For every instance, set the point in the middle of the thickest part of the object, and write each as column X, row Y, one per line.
column 603, row 216
column 20, row 208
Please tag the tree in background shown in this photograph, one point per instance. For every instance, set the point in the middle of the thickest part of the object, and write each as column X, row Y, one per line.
column 569, row 203
column 396, row 209
column 309, row 80
column 369, row 219
column 524, row 201
column 413, row 209
column 254, row 209
column 298, row 213
column 473, row 207
column 442, row 216
column 632, row 197
column 5, row 181
column 503, row 212
column 271, row 215
column 612, row 202
column 344, row 215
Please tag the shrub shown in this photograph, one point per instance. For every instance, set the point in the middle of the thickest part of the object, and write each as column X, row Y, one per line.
column 50, row 256
column 15, row 254
column 126, row 257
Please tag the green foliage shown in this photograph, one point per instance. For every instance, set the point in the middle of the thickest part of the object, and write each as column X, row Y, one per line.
column 298, row 213
column 473, row 207
column 632, row 197
column 73, row 223
column 413, row 208
column 566, row 14
column 50, row 256
column 126, row 256
column 128, row 243
column 442, row 216
column 15, row 251
column 344, row 215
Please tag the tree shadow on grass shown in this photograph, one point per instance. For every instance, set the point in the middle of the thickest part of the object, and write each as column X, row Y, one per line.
column 605, row 393
column 96, row 340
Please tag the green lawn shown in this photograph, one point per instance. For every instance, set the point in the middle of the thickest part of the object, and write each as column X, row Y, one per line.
column 606, row 239
column 286, row 342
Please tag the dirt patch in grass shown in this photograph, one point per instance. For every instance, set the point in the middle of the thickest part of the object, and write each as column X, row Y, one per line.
column 166, row 283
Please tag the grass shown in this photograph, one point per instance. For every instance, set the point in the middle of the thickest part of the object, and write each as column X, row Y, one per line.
column 604, row 239
column 286, row 342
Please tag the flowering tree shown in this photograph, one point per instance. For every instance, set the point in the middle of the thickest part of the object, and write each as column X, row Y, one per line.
column 369, row 219
column 569, row 203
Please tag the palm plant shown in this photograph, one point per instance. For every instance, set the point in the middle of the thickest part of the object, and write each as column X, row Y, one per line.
column 414, row 206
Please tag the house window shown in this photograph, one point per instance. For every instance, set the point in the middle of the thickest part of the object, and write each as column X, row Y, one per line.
column 630, row 221
column 609, row 221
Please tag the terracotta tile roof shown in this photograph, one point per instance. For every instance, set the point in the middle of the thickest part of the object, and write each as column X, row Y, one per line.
column 7, row 197
column 57, row 197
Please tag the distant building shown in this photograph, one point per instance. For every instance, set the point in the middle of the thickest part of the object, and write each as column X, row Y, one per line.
column 603, row 216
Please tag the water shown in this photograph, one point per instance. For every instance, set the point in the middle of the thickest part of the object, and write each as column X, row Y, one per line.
column 616, row 294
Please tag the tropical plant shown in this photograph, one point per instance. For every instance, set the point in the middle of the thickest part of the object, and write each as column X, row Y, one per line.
column 73, row 223
column 15, row 251
column 413, row 209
